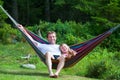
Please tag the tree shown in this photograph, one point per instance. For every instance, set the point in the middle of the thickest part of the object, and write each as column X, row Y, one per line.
column 15, row 10
column 47, row 10
column 2, row 16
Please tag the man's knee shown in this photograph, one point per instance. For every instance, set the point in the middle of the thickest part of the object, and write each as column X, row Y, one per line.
column 62, row 58
column 48, row 55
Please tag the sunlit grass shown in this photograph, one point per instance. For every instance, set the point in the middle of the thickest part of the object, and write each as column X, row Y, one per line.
column 10, row 65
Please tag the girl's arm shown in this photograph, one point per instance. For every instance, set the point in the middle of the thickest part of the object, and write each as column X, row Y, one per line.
column 72, row 52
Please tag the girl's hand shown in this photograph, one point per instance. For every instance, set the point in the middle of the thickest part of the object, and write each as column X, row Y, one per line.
column 72, row 52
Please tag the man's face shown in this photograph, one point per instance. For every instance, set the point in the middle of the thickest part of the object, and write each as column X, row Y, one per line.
column 52, row 38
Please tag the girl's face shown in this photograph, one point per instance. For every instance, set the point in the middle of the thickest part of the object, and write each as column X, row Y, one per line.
column 64, row 48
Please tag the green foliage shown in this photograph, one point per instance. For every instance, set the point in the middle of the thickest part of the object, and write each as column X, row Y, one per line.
column 100, row 25
column 68, row 32
column 59, row 2
column 96, row 69
column 2, row 16
column 1, row 2
column 103, row 65
column 104, row 69
column 76, row 10
column 71, row 32
column 31, row 13
column 111, row 10
column 7, row 34
column 112, row 43
column 113, row 72
column 60, row 28
column 70, row 39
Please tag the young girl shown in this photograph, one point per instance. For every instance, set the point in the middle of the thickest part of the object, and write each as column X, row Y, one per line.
column 66, row 51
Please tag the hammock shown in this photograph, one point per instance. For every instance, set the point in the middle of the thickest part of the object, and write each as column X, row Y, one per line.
column 82, row 49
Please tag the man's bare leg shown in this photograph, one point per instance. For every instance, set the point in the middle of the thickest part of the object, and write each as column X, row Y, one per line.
column 60, row 65
column 49, row 63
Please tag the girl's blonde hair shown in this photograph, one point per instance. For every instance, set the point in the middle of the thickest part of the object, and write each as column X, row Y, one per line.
column 69, row 50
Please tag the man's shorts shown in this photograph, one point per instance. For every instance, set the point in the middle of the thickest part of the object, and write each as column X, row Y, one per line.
column 56, row 56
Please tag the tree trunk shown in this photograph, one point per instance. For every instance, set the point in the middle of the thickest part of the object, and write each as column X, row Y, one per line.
column 15, row 10
column 28, row 11
column 47, row 10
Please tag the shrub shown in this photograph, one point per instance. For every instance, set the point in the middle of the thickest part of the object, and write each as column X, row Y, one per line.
column 116, row 56
column 71, row 39
column 62, row 29
column 96, row 69
column 8, row 34
column 105, row 69
column 113, row 72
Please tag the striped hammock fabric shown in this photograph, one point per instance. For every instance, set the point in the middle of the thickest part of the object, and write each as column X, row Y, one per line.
column 82, row 49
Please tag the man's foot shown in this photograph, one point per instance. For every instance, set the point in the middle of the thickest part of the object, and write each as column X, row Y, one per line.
column 55, row 76
column 52, row 76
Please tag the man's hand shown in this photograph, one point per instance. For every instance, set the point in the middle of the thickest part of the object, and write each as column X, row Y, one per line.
column 21, row 28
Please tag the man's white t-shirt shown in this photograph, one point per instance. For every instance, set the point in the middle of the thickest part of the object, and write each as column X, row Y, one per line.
column 52, row 48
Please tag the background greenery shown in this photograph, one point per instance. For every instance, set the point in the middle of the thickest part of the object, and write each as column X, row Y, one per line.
column 74, row 21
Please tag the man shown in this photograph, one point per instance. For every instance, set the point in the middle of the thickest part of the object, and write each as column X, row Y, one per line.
column 51, row 51
column 51, row 37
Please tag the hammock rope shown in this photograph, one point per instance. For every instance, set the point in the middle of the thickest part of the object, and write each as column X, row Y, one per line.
column 82, row 49
column 9, row 15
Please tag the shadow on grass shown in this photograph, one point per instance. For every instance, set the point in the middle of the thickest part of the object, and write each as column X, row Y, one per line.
column 19, row 72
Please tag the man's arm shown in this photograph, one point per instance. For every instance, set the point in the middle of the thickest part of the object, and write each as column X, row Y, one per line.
column 25, row 32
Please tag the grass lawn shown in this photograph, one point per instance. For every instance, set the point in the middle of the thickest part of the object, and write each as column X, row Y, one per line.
column 10, row 65
column 8, row 74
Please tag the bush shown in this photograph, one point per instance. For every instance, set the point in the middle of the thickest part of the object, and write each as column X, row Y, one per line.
column 8, row 34
column 112, row 74
column 96, row 69
column 116, row 56
column 104, row 69
column 62, row 30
